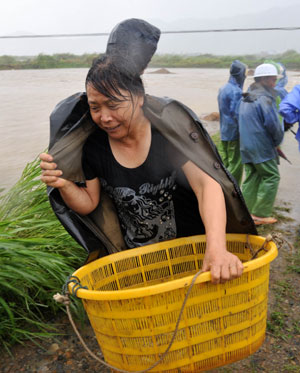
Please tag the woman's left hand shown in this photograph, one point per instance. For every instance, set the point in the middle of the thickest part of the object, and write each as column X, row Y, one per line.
column 223, row 266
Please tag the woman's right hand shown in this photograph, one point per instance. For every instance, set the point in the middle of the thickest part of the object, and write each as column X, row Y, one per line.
column 51, row 176
column 81, row 200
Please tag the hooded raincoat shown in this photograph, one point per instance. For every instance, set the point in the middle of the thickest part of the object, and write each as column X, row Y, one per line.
column 260, row 133
column 229, row 98
column 131, row 46
column 260, row 129
column 290, row 109
column 99, row 232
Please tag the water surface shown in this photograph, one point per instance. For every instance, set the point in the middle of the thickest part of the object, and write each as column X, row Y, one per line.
column 27, row 98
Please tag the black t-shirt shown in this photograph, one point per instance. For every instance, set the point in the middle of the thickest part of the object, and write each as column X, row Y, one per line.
column 154, row 201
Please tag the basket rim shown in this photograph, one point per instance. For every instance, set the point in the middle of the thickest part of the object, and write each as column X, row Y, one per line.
column 141, row 292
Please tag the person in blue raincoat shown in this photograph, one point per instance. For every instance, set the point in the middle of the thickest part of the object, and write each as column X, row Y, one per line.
column 261, row 132
column 228, row 100
column 290, row 109
column 281, row 82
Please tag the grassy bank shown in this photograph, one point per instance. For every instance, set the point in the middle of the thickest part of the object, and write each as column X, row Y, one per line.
column 36, row 256
column 291, row 59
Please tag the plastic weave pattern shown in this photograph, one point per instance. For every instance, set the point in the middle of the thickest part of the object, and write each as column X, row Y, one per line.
column 134, row 298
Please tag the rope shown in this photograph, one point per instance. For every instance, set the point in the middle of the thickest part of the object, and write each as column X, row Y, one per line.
column 64, row 299
column 76, row 287
column 275, row 237
column 280, row 241
column 254, row 254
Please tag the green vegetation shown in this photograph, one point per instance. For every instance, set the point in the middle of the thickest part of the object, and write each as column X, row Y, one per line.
column 43, row 61
column 295, row 263
column 36, row 256
column 216, row 138
column 291, row 59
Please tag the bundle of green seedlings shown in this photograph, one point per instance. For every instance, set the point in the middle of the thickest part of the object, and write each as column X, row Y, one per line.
column 36, row 256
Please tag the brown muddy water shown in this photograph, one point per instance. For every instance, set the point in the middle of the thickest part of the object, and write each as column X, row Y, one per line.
column 27, row 98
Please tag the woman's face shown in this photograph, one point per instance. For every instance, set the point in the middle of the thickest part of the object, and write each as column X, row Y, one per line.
column 117, row 119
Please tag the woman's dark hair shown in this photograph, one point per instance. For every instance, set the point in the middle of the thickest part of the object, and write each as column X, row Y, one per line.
column 106, row 78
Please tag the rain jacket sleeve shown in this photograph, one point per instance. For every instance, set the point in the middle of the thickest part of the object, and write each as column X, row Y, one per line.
column 234, row 104
column 228, row 99
column 290, row 106
column 271, row 121
column 290, row 109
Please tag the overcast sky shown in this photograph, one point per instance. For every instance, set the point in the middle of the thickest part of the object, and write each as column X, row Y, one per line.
column 56, row 16
column 88, row 16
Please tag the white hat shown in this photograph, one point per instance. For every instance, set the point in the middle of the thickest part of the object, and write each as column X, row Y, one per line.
column 265, row 69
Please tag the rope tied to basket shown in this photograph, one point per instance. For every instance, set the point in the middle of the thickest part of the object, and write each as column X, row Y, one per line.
column 277, row 238
column 75, row 288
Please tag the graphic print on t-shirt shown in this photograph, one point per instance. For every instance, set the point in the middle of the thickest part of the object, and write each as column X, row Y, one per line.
column 146, row 215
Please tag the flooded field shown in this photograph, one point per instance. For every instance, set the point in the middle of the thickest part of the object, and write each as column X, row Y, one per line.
column 27, row 98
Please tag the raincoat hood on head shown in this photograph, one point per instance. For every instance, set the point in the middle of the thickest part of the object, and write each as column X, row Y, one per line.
column 238, row 72
column 131, row 45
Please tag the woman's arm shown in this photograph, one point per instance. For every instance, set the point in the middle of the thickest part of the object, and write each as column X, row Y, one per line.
column 79, row 199
column 222, row 264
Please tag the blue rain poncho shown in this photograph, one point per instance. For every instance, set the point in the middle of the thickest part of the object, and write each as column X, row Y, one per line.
column 228, row 99
column 259, row 126
column 290, row 108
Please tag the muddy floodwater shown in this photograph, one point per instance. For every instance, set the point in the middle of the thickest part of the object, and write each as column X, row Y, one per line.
column 27, row 97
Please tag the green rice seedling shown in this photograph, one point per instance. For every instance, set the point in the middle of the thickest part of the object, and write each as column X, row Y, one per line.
column 36, row 256
column 216, row 138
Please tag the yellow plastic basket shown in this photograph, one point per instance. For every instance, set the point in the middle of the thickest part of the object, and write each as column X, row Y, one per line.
column 134, row 298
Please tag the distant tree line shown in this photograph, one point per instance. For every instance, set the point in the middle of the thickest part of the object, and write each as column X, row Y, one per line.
column 44, row 61
column 290, row 58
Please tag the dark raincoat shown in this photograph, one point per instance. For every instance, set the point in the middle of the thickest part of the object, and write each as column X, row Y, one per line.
column 99, row 232
column 131, row 45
